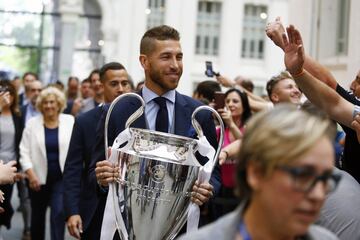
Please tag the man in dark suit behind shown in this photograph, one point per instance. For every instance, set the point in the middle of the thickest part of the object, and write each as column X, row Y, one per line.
column 79, row 202
column 161, row 58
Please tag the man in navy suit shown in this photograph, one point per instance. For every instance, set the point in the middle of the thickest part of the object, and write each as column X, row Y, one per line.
column 161, row 58
column 79, row 202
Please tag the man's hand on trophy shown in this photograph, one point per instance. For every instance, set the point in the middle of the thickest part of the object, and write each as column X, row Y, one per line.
column 106, row 173
column 201, row 193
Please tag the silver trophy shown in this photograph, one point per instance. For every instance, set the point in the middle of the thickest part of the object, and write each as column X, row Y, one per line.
column 157, row 172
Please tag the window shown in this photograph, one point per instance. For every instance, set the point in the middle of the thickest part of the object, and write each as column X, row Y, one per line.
column 253, row 31
column 208, row 28
column 343, row 27
column 28, row 37
column 155, row 12
column 87, row 53
column 31, row 37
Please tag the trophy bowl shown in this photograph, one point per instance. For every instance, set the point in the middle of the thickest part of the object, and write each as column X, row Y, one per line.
column 156, row 188
column 151, row 198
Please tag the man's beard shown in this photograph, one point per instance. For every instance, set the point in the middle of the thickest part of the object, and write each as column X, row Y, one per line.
column 158, row 78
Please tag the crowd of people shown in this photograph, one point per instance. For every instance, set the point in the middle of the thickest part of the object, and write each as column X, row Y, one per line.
column 286, row 169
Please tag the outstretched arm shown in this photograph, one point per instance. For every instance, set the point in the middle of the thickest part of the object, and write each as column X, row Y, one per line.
column 256, row 103
column 275, row 30
column 317, row 92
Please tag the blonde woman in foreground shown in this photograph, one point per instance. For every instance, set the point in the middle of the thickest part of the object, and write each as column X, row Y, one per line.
column 284, row 174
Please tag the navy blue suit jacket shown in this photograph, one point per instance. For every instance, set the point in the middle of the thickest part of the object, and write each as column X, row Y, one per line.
column 78, row 197
column 184, row 107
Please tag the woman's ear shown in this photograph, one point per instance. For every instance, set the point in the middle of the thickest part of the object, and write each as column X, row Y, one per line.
column 254, row 175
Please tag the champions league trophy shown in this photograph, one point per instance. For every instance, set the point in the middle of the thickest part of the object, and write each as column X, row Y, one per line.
column 151, row 198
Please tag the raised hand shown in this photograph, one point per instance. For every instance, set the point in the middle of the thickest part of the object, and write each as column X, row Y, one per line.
column 4, row 99
column 274, row 31
column 294, row 51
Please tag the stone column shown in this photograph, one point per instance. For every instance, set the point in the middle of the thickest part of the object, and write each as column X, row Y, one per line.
column 70, row 10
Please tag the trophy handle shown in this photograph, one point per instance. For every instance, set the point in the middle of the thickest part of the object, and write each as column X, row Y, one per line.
column 130, row 120
column 200, row 132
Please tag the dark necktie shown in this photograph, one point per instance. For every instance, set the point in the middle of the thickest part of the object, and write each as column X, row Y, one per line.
column 162, row 119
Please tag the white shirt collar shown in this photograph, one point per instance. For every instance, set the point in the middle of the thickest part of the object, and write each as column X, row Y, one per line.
column 149, row 95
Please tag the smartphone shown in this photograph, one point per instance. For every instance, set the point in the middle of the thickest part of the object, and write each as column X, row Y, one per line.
column 219, row 99
column 209, row 69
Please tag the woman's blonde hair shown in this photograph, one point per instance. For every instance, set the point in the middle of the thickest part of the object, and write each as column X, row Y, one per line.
column 51, row 91
column 277, row 137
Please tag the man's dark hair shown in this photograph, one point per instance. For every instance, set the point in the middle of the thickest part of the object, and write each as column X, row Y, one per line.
column 30, row 73
column 109, row 66
column 206, row 89
column 86, row 80
column 60, row 85
column 160, row 33
column 270, row 85
column 248, row 85
column 71, row 78
column 95, row 71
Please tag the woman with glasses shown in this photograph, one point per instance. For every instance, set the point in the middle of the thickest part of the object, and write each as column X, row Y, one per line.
column 284, row 173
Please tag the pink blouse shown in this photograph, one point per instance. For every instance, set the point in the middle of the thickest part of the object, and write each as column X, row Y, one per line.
column 228, row 168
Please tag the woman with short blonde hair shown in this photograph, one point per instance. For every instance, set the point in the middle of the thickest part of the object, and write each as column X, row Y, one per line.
column 277, row 138
column 59, row 96
column 284, row 174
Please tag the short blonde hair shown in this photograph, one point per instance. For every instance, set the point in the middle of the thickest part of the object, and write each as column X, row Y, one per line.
column 277, row 137
column 271, row 84
column 51, row 91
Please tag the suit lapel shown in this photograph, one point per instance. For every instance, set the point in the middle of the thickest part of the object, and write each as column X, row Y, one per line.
column 182, row 116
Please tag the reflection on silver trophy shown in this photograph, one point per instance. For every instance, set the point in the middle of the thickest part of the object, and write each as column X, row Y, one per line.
column 157, row 172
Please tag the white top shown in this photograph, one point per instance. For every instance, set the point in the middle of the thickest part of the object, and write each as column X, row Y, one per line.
column 151, row 107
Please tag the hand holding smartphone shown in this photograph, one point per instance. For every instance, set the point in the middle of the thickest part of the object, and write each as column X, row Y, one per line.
column 4, row 96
